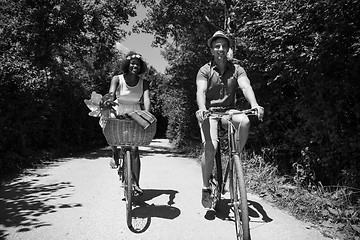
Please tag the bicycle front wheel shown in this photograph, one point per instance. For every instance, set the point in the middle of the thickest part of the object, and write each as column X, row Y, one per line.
column 128, row 186
column 239, row 199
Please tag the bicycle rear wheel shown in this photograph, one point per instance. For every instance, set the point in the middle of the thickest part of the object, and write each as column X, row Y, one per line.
column 128, row 189
column 239, row 199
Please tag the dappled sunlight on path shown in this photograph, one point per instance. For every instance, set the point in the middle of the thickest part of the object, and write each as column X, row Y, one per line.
column 23, row 201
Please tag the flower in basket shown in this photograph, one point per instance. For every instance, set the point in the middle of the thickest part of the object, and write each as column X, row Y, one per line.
column 94, row 104
column 107, row 102
column 101, row 106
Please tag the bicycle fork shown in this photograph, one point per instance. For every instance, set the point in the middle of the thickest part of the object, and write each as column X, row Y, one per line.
column 232, row 149
column 233, row 152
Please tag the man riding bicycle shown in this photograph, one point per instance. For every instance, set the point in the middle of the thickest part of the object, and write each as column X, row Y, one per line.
column 217, row 83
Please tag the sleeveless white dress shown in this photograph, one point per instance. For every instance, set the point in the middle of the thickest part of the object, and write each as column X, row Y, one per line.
column 128, row 97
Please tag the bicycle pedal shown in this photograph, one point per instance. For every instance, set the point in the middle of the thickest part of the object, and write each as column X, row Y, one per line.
column 231, row 204
column 121, row 174
column 213, row 205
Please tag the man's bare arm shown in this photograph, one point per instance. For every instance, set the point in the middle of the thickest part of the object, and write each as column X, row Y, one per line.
column 244, row 84
column 201, row 87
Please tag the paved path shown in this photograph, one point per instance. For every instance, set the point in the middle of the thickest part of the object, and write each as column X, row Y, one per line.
column 81, row 198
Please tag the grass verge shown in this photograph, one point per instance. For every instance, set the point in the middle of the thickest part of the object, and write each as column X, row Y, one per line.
column 334, row 209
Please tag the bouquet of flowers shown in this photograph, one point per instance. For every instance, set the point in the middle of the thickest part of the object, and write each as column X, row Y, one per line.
column 101, row 106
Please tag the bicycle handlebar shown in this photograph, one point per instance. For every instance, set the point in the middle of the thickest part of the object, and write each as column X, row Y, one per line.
column 224, row 110
column 220, row 111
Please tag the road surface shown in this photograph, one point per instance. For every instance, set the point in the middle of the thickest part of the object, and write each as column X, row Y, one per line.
column 81, row 198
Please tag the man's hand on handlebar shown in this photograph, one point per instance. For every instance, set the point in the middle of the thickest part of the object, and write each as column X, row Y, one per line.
column 260, row 112
column 257, row 111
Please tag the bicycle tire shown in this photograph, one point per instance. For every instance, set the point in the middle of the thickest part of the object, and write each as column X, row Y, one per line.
column 128, row 188
column 239, row 199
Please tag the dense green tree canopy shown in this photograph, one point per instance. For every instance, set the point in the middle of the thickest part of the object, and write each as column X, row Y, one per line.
column 302, row 59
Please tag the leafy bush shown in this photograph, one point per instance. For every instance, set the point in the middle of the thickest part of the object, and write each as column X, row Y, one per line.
column 335, row 209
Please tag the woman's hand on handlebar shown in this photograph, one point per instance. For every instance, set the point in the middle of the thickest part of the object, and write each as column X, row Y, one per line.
column 107, row 101
column 201, row 114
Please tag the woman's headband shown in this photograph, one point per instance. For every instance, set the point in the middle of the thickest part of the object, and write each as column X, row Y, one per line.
column 133, row 56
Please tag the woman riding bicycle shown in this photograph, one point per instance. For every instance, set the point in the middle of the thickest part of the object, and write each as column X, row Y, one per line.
column 127, row 89
column 217, row 83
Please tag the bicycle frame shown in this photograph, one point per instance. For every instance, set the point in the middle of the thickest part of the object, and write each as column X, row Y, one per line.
column 232, row 151
column 126, row 177
column 236, row 178
column 230, row 137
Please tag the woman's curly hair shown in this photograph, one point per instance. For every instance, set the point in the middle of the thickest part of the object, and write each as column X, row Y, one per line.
column 126, row 62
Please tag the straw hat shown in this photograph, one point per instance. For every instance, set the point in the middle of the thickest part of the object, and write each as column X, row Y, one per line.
column 218, row 34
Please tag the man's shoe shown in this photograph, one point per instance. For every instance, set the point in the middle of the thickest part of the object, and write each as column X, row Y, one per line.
column 206, row 199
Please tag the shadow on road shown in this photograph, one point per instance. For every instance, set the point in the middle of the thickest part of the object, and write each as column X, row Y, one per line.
column 22, row 203
column 156, row 147
column 143, row 212
column 256, row 211
column 94, row 155
column 256, row 208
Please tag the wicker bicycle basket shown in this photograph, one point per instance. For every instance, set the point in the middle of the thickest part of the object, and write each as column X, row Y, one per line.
column 127, row 132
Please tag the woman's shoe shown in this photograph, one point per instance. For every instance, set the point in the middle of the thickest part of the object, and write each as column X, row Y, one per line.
column 114, row 162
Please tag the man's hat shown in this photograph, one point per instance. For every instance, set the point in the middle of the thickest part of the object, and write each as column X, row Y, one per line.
column 218, row 34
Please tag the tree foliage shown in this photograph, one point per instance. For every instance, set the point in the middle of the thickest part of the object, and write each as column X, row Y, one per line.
column 53, row 55
column 302, row 59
